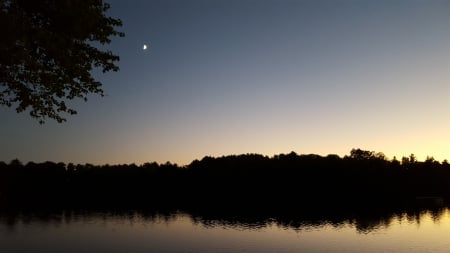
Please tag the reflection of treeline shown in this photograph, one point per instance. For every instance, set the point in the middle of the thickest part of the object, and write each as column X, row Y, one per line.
column 250, row 180
column 364, row 222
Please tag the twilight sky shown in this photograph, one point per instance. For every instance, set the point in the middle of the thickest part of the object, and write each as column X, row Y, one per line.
column 225, row 77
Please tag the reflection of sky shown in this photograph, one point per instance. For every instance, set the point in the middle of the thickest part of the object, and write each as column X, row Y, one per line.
column 121, row 233
column 269, row 77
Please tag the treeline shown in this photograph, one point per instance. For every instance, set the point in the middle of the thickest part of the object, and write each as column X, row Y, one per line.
column 285, row 181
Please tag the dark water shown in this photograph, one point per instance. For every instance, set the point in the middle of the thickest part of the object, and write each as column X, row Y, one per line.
column 139, row 231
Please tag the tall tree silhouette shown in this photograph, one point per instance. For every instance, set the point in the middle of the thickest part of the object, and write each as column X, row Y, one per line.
column 48, row 51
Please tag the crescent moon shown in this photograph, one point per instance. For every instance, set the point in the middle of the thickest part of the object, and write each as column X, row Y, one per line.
column 144, row 47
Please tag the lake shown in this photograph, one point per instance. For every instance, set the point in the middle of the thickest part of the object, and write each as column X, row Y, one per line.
column 419, row 230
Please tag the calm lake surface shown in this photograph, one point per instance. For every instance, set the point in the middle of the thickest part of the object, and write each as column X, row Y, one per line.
column 69, row 231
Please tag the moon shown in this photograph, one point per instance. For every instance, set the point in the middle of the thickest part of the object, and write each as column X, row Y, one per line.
column 144, row 47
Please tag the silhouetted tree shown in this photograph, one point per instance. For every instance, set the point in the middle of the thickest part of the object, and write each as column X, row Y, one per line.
column 412, row 158
column 15, row 163
column 247, row 180
column 359, row 154
column 48, row 51
column 395, row 162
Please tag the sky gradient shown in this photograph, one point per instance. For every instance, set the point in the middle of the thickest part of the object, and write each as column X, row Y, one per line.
column 224, row 77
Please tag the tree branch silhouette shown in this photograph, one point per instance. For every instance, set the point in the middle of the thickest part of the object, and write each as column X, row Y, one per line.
column 48, row 52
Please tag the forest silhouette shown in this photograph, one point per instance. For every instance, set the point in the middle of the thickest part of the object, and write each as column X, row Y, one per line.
column 362, row 179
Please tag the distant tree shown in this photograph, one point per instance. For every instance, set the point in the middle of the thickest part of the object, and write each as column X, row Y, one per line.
column 430, row 159
column 430, row 162
column 412, row 158
column 360, row 154
column 15, row 163
column 395, row 162
column 405, row 160
column 380, row 156
column 48, row 49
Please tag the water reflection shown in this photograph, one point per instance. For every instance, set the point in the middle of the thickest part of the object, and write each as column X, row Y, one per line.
column 362, row 221
column 406, row 230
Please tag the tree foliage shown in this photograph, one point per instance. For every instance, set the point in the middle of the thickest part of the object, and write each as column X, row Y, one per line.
column 48, row 51
column 237, row 181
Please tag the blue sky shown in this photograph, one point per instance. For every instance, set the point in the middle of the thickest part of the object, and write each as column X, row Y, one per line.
column 268, row 77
